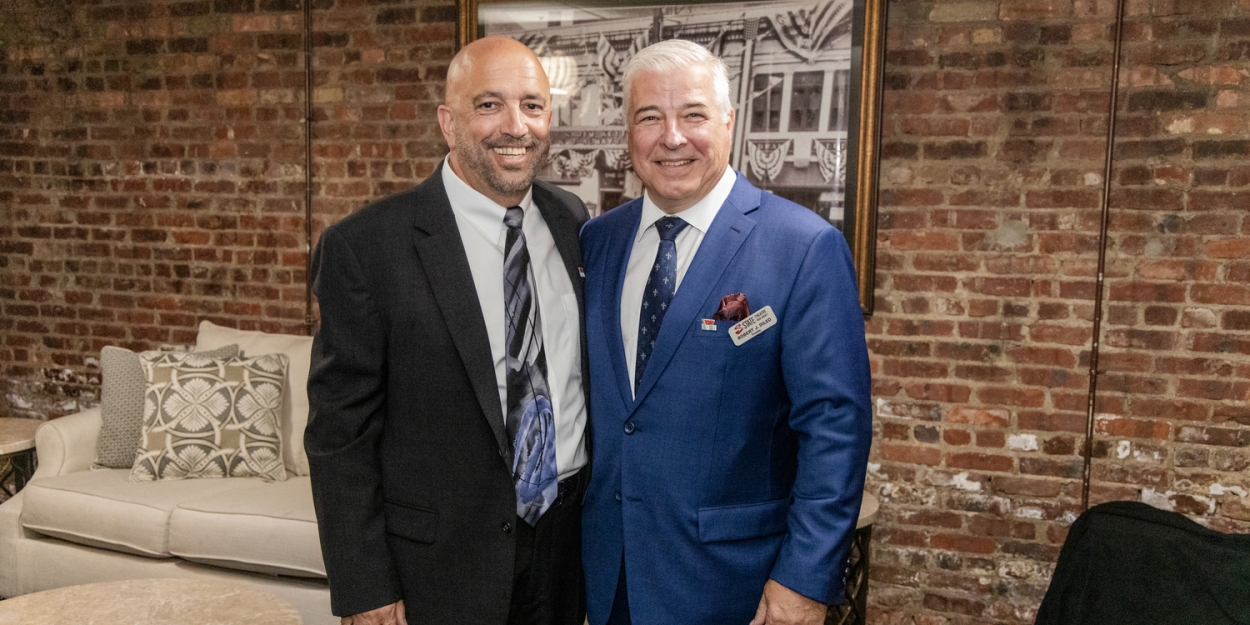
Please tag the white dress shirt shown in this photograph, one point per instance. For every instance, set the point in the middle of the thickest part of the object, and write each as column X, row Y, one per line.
column 483, row 233
column 647, row 242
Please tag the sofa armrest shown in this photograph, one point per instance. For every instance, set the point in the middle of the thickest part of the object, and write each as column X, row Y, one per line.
column 67, row 444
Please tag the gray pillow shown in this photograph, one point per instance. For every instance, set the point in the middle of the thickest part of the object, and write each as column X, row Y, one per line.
column 121, row 404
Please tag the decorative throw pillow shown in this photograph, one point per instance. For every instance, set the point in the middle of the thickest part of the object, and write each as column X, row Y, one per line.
column 294, row 417
column 211, row 417
column 121, row 404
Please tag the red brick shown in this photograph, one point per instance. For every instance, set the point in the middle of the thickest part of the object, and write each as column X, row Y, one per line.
column 1012, row 396
column 956, row 437
column 911, row 454
column 1132, row 428
column 1229, row 248
column 979, row 416
column 938, row 392
column 921, row 240
column 985, row 526
column 991, row 439
column 1213, row 436
column 1214, row 389
column 961, row 542
column 914, row 368
column 1070, row 469
column 896, row 536
column 931, row 518
column 1056, row 357
column 1031, row 487
column 1051, row 422
column 980, row 462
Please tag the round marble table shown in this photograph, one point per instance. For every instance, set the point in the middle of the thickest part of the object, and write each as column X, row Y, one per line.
column 150, row 602
column 17, row 446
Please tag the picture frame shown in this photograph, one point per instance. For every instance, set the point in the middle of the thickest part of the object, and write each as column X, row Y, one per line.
column 808, row 103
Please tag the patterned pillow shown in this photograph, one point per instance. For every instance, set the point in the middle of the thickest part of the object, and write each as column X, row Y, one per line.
column 211, row 417
column 121, row 404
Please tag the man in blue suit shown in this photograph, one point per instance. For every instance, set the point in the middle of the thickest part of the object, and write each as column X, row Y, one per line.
column 729, row 378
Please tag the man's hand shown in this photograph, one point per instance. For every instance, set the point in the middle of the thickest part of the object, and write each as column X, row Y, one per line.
column 392, row 614
column 782, row 606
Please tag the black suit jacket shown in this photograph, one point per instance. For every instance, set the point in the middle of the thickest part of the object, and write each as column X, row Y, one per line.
column 406, row 446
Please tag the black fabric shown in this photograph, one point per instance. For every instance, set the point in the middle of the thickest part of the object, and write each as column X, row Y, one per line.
column 410, row 468
column 547, row 588
column 1127, row 563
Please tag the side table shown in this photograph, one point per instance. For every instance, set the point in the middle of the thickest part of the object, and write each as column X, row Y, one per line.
column 855, row 609
column 17, row 446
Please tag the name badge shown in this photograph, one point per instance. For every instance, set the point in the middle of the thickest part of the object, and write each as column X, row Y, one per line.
column 753, row 325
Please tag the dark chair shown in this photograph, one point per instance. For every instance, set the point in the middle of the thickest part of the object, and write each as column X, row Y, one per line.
column 1129, row 563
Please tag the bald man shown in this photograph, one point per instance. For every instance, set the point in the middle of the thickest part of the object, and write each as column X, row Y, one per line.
column 446, row 438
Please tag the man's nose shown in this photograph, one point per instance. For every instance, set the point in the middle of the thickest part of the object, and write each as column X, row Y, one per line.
column 673, row 138
column 514, row 122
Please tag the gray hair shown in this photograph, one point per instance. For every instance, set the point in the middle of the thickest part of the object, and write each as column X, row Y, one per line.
column 677, row 55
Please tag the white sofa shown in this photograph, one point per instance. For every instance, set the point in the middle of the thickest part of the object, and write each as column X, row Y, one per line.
column 74, row 525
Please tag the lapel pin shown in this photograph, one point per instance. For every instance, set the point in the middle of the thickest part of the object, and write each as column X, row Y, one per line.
column 581, row 272
column 709, row 325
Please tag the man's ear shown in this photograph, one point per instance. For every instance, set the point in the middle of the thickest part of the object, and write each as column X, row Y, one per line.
column 733, row 115
column 448, row 125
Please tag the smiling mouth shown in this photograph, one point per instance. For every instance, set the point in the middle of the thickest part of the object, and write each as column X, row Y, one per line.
column 674, row 163
column 502, row 151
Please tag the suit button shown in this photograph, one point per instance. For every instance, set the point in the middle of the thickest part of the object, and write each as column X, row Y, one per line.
column 507, row 527
column 629, row 427
column 618, row 495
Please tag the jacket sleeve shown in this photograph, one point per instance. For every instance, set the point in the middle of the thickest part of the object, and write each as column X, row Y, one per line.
column 824, row 359
column 347, row 398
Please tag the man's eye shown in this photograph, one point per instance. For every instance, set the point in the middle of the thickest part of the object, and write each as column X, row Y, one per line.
column 488, row 105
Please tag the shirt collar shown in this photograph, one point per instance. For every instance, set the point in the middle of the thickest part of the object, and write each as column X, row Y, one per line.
column 700, row 215
column 480, row 211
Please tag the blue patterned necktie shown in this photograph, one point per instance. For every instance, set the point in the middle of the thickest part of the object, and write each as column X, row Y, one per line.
column 661, row 285
column 530, row 421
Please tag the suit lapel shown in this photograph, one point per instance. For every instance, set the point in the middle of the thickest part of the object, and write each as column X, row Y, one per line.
column 620, row 246
column 721, row 243
column 446, row 267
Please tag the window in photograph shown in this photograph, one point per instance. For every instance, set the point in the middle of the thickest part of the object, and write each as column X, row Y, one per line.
column 766, row 105
column 839, row 111
column 805, row 101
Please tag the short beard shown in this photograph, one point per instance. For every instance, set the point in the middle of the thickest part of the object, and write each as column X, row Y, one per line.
column 476, row 160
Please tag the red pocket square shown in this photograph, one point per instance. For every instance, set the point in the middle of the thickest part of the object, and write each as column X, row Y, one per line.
column 733, row 307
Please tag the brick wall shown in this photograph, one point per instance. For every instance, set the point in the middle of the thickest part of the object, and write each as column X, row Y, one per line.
column 995, row 131
column 151, row 176
column 152, row 167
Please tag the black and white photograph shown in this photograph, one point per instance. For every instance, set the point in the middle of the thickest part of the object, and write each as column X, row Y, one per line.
column 804, row 79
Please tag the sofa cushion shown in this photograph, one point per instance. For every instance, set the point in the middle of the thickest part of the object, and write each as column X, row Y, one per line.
column 121, row 404
column 295, row 402
column 264, row 527
column 211, row 417
column 104, row 509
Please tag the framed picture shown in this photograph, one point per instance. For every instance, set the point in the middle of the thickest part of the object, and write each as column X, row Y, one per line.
column 805, row 76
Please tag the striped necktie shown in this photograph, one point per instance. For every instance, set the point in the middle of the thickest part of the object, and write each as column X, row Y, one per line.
column 530, row 419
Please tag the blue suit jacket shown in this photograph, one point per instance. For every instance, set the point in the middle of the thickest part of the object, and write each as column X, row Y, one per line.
column 732, row 464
